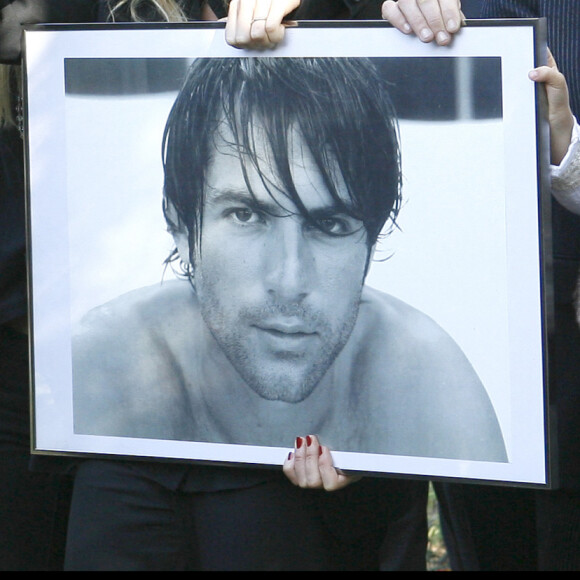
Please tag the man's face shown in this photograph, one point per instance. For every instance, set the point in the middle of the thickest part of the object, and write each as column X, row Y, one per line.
column 279, row 295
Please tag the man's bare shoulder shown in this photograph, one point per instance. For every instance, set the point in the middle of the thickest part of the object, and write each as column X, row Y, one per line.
column 126, row 372
column 149, row 310
column 130, row 340
column 406, row 360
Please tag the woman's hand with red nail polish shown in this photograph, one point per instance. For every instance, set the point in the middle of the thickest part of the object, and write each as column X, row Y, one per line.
column 310, row 466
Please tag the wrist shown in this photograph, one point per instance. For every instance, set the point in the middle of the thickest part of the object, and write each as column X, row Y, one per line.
column 561, row 136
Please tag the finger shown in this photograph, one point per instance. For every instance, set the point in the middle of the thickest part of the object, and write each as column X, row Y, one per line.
column 232, row 23
column 435, row 20
column 559, row 113
column 305, row 464
column 451, row 14
column 551, row 60
column 262, row 20
column 416, row 13
column 328, row 473
column 311, row 466
column 275, row 29
column 392, row 14
column 333, row 478
column 288, row 468
column 311, row 462
column 241, row 21
column 429, row 19
column 550, row 76
column 299, row 463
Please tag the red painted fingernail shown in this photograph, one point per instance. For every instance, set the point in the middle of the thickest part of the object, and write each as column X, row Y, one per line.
column 298, row 442
column 308, row 440
column 320, row 450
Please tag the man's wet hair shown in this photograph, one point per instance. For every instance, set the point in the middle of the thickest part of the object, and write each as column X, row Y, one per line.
column 339, row 106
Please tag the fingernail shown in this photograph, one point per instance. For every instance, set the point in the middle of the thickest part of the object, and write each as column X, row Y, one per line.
column 425, row 34
column 320, row 450
column 308, row 440
column 407, row 28
column 442, row 37
column 298, row 442
column 452, row 25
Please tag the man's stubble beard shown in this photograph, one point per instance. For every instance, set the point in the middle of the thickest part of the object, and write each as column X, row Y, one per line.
column 267, row 383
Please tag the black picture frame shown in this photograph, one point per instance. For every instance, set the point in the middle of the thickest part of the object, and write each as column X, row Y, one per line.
column 473, row 131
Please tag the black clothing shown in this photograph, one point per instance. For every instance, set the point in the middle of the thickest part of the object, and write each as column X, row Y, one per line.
column 13, row 293
column 563, row 20
column 308, row 10
column 137, row 524
column 33, row 506
column 337, row 9
column 493, row 528
column 58, row 11
column 142, row 513
column 172, row 516
column 64, row 10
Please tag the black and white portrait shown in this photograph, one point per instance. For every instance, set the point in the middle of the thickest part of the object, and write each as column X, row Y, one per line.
column 259, row 247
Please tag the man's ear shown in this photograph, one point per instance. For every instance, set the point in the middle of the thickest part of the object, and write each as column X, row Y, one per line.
column 181, row 240
column 370, row 257
column 180, row 235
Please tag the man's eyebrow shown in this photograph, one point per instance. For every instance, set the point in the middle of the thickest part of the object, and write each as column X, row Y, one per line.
column 333, row 210
column 239, row 196
column 270, row 206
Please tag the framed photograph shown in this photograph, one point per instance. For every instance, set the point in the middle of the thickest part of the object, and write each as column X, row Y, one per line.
column 347, row 236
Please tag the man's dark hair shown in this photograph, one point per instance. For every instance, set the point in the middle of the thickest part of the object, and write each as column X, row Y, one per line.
column 340, row 107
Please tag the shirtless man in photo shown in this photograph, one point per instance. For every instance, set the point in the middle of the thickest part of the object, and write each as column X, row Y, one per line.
column 280, row 174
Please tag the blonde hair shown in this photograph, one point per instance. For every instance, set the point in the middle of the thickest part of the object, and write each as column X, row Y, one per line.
column 168, row 10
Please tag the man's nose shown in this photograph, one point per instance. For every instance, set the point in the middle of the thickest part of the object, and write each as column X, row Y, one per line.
column 290, row 270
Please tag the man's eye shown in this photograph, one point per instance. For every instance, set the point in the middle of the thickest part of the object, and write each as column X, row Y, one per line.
column 338, row 226
column 244, row 215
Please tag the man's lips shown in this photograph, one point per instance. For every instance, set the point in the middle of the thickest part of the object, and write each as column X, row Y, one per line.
column 286, row 334
column 286, row 327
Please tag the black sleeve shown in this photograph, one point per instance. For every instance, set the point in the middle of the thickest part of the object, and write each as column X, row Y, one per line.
column 12, row 228
column 338, row 9
column 509, row 9
column 219, row 8
column 62, row 10
column 72, row 10
column 322, row 9
column 53, row 11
